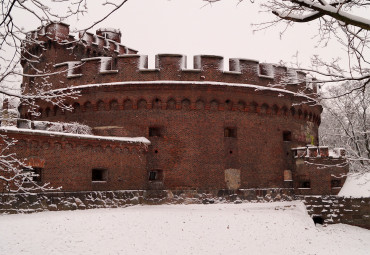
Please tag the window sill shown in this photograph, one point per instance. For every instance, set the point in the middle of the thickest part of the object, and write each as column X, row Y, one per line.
column 99, row 181
column 304, row 188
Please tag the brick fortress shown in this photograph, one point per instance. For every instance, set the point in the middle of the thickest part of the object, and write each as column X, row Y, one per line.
column 254, row 126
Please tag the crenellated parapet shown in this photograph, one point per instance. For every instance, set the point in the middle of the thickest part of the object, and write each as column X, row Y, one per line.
column 101, row 58
column 319, row 152
column 318, row 170
column 172, row 67
column 105, row 38
column 106, row 42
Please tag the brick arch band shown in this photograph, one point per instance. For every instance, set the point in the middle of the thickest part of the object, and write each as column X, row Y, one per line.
column 171, row 103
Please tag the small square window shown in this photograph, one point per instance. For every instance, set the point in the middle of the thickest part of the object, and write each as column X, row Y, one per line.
column 154, row 131
column 34, row 174
column 156, row 175
column 230, row 132
column 305, row 184
column 98, row 175
column 287, row 136
column 153, row 175
column 336, row 183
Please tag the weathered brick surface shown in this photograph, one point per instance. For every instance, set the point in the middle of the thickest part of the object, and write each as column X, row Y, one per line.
column 320, row 171
column 68, row 162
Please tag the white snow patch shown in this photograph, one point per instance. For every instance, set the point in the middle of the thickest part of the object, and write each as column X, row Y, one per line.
column 212, row 83
column 356, row 185
column 271, row 228
column 78, row 136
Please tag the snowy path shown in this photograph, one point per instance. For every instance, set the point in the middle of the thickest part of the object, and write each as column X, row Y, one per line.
column 271, row 228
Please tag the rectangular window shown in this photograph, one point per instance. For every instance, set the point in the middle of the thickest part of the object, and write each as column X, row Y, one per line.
column 305, row 184
column 287, row 136
column 336, row 183
column 99, row 175
column 35, row 174
column 156, row 175
column 154, row 131
column 153, row 175
column 230, row 132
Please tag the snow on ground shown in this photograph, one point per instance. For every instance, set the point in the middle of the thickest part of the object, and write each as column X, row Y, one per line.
column 265, row 228
column 356, row 185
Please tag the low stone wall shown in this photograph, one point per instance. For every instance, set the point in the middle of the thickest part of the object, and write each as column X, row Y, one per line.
column 336, row 209
column 56, row 201
column 323, row 209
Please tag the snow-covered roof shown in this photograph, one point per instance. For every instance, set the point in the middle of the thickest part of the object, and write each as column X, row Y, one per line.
column 78, row 136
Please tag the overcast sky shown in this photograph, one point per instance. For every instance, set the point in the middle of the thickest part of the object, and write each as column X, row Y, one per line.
column 191, row 27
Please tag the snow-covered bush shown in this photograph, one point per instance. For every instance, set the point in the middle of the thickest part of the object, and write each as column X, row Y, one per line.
column 73, row 128
column 77, row 128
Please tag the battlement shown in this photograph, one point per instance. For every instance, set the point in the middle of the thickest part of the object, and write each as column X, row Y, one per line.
column 100, row 58
column 107, row 39
column 172, row 67
column 318, row 152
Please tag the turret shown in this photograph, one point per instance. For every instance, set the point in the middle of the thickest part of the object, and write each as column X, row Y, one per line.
column 110, row 33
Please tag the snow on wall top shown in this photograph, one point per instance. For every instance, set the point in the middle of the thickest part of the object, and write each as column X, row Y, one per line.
column 108, row 29
column 141, row 140
column 311, row 151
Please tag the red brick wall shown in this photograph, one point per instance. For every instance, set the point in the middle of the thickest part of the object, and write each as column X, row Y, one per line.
column 68, row 162
column 193, row 152
column 320, row 172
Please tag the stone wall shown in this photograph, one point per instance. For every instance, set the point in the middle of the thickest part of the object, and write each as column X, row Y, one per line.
column 336, row 209
column 328, row 209
column 58, row 201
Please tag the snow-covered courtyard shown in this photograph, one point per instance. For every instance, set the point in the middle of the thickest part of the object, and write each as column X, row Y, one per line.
column 267, row 228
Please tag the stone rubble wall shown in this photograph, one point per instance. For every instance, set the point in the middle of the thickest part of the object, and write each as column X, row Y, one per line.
column 331, row 209
column 59, row 201
column 336, row 209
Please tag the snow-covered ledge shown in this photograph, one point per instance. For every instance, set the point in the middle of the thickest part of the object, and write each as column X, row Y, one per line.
column 142, row 140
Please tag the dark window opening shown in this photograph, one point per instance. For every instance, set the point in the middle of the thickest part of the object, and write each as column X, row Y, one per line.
column 295, row 153
column 230, row 132
column 231, row 152
column 154, row 131
column 99, row 175
column 156, row 175
column 156, row 151
column 318, row 220
column 287, row 136
column 153, row 175
column 335, row 183
column 306, row 184
column 35, row 174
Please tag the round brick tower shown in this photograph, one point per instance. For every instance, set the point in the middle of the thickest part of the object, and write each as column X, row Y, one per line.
column 208, row 128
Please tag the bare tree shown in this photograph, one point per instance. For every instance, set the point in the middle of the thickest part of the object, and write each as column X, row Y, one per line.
column 343, row 21
column 15, row 175
column 347, row 123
